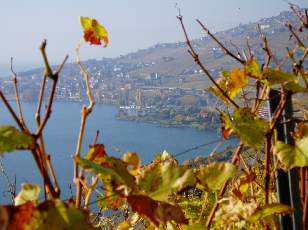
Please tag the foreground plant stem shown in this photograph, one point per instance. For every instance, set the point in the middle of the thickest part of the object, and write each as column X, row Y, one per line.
column 38, row 150
column 268, row 143
column 234, row 160
column 85, row 111
column 196, row 58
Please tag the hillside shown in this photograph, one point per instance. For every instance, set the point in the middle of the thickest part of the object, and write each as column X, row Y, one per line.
column 166, row 64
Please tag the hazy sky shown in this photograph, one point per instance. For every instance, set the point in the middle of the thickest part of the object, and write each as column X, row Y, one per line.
column 132, row 24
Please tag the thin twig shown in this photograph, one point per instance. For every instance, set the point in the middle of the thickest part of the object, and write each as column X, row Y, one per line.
column 228, row 52
column 53, row 174
column 299, row 41
column 85, row 111
column 266, row 48
column 195, row 56
column 276, row 117
column 54, row 77
column 17, row 97
column 90, row 192
column 10, row 109
column 237, row 50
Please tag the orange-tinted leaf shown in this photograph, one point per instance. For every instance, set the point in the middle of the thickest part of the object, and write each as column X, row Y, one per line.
column 94, row 32
column 20, row 216
column 237, row 81
column 301, row 130
column 158, row 212
column 97, row 154
column 231, row 83
column 226, row 128
column 131, row 159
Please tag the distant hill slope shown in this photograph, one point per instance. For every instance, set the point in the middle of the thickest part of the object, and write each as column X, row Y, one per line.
column 171, row 61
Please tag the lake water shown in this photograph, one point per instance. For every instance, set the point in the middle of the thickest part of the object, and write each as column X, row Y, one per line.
column 118, row 136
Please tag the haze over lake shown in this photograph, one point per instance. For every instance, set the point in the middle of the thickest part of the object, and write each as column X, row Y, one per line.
column 118, row 137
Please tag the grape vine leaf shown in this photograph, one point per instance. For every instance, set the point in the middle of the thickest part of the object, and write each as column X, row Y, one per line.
column 125, row 225
column 160, row 179
column 269, row 210
column 133, row 162
column 235, row 211
column 12, row 139
column 51, row 214
column 231, row 82
column 252, row 68
column 294, row 87
column 96, row 154
column 29, row 192
column 226, row 125
column 114, row 168
column 196, row 226
column 214, row 175
column 250, row 129
column 273, row 77
column 238, row 79
column 301, row 130
column 55, row 214
column 111, row 198
column 158, row 212
column 292, row 156
column 94, row 32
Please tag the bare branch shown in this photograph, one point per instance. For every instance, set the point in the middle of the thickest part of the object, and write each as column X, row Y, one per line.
column 228, row 52
column 17, row 97
column 10, row 109
column 85, row 111
column 299, row 41
column 266, row 48
column 195, row 56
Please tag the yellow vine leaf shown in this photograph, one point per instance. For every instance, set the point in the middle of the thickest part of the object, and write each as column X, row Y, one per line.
column 94, row 32
column 214, row 175
column 252, row 68
column 238, row 79
column 292, row 156
column 249, row 128
column 269, row 210
column 231, row 82
column 29, row 192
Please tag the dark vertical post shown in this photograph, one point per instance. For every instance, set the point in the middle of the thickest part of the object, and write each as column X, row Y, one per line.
column 287, row 183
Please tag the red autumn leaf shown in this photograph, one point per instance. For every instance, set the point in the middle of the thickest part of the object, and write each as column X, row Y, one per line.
column 19, row 216
column 157, row 211
column 94, row 32
column 97, row 154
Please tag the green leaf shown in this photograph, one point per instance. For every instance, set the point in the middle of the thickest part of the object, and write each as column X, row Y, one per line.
column 12, row 139
column 295, row 87
column 51, row 214
column 269, row 210
column 252, row 68
column 194, row 227
column 214, row 175
column 250, row 129
column 292, row 156
column 274, row 77
column 161, row 179
column 59, row 215
column 29, row 192
column 115, row 168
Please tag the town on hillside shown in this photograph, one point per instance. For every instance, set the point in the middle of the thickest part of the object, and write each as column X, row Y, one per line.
column 162, row 84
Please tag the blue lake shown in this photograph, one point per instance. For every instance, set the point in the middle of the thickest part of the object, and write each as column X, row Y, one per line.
column 118, row 137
